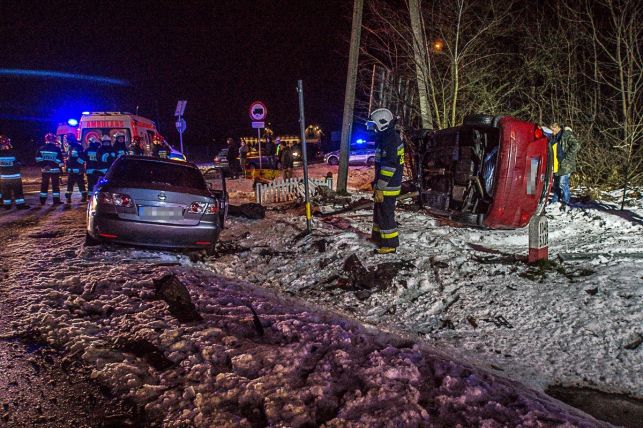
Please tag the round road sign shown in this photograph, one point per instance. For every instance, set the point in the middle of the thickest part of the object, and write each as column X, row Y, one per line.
column 258, row 111
column 181, row 125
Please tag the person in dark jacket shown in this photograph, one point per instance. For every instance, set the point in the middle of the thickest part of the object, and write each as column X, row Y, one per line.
column 120, row 147
column 10, row 178
column 91, row 155
column 287, row 160
column 50, row 159
column 106, row 156
column 160, row 149
column 233, row 158
column 389, row 168
column 75, row 165
column 270, row 153
column 565, row 146
column 136, row 147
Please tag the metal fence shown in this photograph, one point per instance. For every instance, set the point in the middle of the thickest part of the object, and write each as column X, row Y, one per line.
column 288, row 190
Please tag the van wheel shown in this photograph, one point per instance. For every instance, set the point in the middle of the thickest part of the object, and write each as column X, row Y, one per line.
column 370, row 161
column 482, row 119
column 333, row 161
column 90, row 241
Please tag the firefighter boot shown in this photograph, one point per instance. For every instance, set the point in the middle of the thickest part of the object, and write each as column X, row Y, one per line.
column 68, row 197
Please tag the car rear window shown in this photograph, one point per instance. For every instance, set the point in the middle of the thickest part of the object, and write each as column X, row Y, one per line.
column 147, row 172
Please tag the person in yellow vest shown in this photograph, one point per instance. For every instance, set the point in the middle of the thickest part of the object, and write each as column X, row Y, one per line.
column 565, row 146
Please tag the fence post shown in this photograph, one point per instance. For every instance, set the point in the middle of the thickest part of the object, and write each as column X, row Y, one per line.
column 538, row 239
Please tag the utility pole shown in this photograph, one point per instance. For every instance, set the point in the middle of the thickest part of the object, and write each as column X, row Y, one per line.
column 349, row 97
column 421, row 66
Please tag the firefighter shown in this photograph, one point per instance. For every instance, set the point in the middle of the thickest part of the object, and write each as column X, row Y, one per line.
column 160, row 148
column 105, row 155
column 10, row 178
column 50, row 159
column 91, row 154
column 136, row 147
column 389, row 164
column 75, row 165
column 120, row 148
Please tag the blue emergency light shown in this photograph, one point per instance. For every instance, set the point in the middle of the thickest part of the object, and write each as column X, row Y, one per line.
column 72, row 122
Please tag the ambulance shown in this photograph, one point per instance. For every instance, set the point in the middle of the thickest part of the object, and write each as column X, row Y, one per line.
column 98, row 124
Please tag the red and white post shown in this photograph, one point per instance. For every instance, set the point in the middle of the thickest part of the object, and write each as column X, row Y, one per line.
column 538, row 239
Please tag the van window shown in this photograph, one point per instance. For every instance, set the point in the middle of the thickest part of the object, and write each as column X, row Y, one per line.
column 98, row 133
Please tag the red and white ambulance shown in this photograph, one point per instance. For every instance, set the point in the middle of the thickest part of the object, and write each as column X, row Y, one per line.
column 98, row 124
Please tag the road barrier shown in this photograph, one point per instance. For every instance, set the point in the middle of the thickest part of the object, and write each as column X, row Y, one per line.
column 288, row 190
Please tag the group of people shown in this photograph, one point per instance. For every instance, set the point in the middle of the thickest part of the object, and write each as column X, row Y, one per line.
column 54, row 159
column 277, row 154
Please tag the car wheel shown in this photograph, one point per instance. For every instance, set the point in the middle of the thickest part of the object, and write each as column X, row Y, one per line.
column 90, row 241
column 333, row 161
column 370, row 161
column 482, row 119
column 469, row 218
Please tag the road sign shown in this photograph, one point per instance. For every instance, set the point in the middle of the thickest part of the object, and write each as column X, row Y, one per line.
column 258, row 125
column 258, row 111
column 181, row 125
column 180, row 107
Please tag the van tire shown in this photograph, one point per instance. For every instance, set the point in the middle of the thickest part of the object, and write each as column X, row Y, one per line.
column 482, row 119
column 333, row 160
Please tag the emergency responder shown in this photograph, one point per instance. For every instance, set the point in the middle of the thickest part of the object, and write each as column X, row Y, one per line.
column 105, row 155
column 50, row 159
column 75, row 166
column 120, row 148
column 389, row 164
column 91, row 154
column 136, row 147
column 160, row 149
column 10, row 178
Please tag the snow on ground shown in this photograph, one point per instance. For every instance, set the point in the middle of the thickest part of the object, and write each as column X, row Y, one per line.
column 469, row 291
column 309, row 367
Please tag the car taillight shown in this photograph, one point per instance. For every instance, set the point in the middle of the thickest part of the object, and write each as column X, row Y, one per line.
column 116, row 199
column 212, row 209
column 197, row 207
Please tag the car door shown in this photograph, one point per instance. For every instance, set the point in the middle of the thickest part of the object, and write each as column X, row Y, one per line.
column 215, row 179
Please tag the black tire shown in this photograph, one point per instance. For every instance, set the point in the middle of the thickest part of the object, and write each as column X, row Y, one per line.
column 469, row 218
column 482, row 119
column 333, row 160
column 90, row 241
column 370, row 161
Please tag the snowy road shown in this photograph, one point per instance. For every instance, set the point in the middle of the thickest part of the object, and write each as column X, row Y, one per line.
column 301, row 366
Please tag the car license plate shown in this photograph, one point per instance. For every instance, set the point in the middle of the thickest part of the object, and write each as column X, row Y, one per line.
column 160, row 212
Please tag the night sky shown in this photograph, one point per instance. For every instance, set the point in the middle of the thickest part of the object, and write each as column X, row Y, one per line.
column 219, row 55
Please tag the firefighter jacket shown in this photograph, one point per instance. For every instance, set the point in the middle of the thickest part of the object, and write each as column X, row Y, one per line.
column 91, row 154
column 389, row 162
column 160, row 151
column 120, row 148
column 75, row 162
column 106, row 156
column 9, row 166
column 50, row 159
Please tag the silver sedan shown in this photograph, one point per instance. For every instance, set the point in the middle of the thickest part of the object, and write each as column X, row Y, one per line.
column 157, row 203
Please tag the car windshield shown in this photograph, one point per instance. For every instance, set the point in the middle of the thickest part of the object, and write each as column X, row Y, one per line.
column 141, row 172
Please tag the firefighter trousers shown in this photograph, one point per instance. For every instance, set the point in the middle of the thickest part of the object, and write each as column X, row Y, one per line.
column 384, row 232
column 12, row 187
column 78, row 180
column 55, row 186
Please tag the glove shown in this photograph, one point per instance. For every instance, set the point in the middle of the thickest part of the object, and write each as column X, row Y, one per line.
column 378, row 196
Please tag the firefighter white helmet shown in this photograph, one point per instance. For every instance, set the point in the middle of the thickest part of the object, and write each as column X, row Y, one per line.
column 380, row 120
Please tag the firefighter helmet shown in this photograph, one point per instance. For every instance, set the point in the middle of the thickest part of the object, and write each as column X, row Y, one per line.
column 5, row 142
column 105, row 139
column 50, row 137
column 118, row 135
column 156, row 139
column 137, row 139
column 380, row 120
